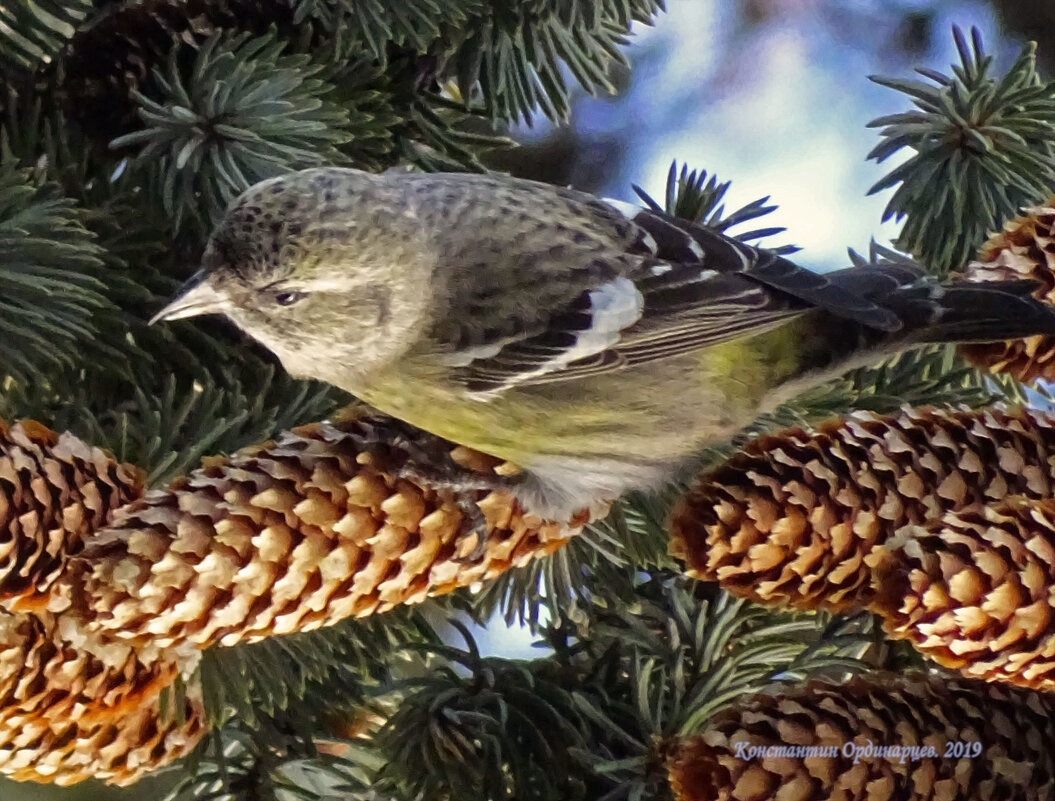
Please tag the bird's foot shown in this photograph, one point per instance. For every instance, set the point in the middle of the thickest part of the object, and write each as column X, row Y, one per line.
column 405, row 452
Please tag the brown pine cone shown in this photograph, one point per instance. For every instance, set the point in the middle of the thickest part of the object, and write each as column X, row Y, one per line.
column 795, row 518
column 291, row 536
column 68, row 715
column 998, row 740
column 974, row 591
column 54, row 491
column 1024, row 249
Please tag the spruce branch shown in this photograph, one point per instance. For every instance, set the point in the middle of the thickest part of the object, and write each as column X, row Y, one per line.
column 662, row 667
column 508, row 57
column 326, row 673
column 693, row 196
column 166, row 429
column 116, row 53
column 33, row 31
column 274, row 762
column 373, row 98
column 512, row 57
column 241, row 113
column 382, row 27
column 933, row 375
column 169, row 432
column 436, row 138
column 486, row 728
column 51, row 292
column 599, row 566
column 29, row 126
column 982, row 149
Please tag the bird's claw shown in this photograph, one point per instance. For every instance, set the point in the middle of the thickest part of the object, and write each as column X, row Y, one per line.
column 458, row 486
column 408, row 453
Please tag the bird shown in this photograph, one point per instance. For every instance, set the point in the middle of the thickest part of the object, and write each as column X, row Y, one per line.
column 598, row 345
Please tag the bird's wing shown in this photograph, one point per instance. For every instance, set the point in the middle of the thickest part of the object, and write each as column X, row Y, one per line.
column 619, row 324
column 661, row 287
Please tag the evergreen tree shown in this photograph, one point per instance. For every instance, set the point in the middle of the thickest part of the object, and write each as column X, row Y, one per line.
column 125, row 128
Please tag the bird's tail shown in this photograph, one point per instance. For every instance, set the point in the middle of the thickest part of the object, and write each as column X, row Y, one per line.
column 929, row 312
column 955, row 311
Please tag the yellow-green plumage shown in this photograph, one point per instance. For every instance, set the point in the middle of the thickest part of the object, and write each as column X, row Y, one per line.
column 720, row 390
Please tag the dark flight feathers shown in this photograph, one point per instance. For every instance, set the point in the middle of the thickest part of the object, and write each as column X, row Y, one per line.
column 695, row 288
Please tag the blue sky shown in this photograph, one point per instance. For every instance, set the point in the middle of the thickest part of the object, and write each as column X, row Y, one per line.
column 779, row 108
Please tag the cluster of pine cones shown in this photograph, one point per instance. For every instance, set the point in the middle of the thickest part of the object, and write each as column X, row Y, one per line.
column 943, row 524
column 109, row 594
column 940, row 522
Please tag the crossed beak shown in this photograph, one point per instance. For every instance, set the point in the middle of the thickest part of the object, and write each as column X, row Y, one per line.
column 195, row 297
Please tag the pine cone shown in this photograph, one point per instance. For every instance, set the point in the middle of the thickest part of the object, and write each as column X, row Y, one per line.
column 796, row 517
column 68, row 715
column 115, row 55
column 54, row 491
column 1024, row 249
column 1007, row 734
column 974, row 591
column 291, row 536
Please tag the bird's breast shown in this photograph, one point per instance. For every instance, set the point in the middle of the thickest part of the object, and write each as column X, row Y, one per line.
column 640, row 416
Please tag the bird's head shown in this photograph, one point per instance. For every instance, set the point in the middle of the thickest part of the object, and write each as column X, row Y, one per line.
column 318, row 266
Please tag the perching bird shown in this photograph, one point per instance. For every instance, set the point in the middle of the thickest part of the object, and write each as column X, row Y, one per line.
column 595, row 344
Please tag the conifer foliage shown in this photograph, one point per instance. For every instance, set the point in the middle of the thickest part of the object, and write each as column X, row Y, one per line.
column 148, row 611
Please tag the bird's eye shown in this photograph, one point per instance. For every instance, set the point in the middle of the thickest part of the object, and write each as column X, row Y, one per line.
column 289, row 298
